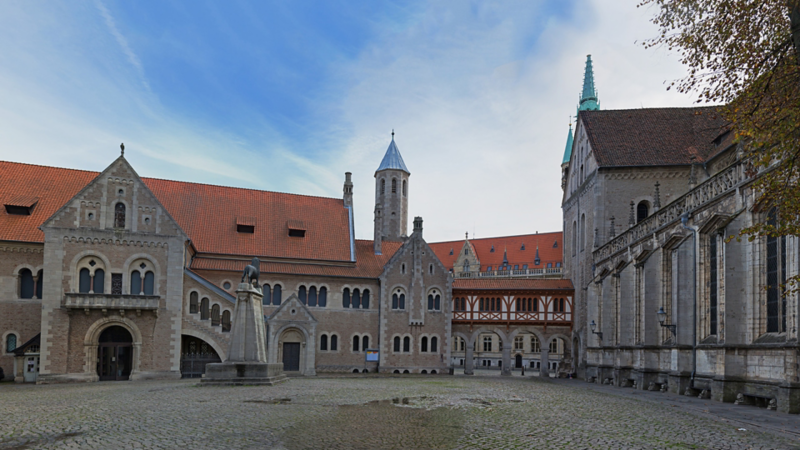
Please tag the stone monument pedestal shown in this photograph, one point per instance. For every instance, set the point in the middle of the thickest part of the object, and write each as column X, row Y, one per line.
column 247, row 354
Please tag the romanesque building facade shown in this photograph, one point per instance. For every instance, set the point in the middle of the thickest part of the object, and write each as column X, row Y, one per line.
column 667, row 296
column 112, row 276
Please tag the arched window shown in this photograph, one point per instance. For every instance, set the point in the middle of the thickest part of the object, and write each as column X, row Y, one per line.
column 276, row 295
column 301, row 293
column 356, row 298
column 574, row 242
column 149, row 282
column 334, row 342
column 312, row 296
column 204, row 312
column 394, row 185
column 99, row 281
column 323, row 342
column 365, row 343
column 266, row 291
column 136, row 283
column 424, row 345
column 407, row 344
column 434, row 301
column 383, row 186
column 397, row 344
column 434, row 344
column 215, row 315
column 404, row 188
column 119, row 215
column 11, row 342
column 323, row 297
column 226, row 321
column 193, row 306
column 346, row 298
column 776, row 277
column 582, row 237
column 85, row 281
column 398, row 300
column 26, row 284
column 355, row 343
column 642, row 211
column 365, row 299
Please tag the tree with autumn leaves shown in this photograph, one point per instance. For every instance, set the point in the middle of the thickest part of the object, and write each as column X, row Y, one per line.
column 745, row 55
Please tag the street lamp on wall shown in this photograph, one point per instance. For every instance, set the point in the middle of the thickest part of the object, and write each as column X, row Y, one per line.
column 598, row 333
column 662, row 317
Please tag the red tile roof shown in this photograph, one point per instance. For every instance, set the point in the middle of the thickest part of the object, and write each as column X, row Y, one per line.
column 20, row 183
column 368, row 264
column 653, row 136
column 548, row 253
column 208, row 214
column 511, row 283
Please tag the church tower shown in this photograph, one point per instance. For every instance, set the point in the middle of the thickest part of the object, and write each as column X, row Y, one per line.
column 587, row 101
column 391, row 196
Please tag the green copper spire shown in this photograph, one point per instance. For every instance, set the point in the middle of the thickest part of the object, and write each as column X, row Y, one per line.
column 588, row 99
column 568, row 150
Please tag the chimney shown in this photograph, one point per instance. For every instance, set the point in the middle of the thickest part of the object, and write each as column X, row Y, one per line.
column 378, row 228
column 418, row 224
column 348, row 189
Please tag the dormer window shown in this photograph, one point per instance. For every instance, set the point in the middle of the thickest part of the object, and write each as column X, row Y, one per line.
column 523, row 247
column 451, row 251
column 246, row 225
column 555, row 244
column 492, row 250
column 296, row 228
column 21, row 205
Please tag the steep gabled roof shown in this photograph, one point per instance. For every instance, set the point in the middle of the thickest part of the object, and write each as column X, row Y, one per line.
column 51, row 186
column 208, row 214
column 549, row 244
column 652, row 136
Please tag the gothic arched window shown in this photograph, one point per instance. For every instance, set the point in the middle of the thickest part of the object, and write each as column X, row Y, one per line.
column 383, row 186
column 394, row 185
column 642, row 211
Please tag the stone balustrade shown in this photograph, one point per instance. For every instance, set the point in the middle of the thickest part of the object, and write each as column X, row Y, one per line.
column 551, row 272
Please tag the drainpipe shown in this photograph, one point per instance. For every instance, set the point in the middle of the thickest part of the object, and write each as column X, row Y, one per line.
column 693, row 229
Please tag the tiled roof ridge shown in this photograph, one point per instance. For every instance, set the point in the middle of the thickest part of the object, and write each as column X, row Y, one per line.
column 659, row 108
column 499, row 237
column 95, row 172
column 240, row 188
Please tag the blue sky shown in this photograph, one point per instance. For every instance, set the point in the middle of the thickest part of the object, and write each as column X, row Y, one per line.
column 287, row 96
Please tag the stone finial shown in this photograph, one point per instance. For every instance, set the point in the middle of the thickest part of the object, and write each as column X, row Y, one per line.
column 613, row 231
column 632, row 215
column 693, row 173
column 657, row 198
column 418, row 224
column 122, row 149
column 466, row 236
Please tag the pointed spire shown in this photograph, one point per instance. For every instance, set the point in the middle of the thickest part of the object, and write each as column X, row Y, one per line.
column 505, row 255
column 657, row 198
column 536, row 259
column 392, row 159
column 588, row 99
column 632, row 216
column 568, row 148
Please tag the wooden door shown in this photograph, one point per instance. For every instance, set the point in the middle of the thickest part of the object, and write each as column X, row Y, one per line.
column 291, row 356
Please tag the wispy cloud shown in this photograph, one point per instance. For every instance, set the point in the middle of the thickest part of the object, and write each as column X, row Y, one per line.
column 123, row 43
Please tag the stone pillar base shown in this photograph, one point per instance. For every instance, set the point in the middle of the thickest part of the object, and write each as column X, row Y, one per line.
column 243, row 373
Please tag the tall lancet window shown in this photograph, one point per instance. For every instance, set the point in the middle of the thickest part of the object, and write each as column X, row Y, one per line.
column 119, row 216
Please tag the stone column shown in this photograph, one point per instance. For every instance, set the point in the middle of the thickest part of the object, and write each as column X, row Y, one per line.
column 468, row 352
column 544, row 369
column 506, row 369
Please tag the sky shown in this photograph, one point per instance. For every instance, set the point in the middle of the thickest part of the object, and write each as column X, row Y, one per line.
column 287, row 96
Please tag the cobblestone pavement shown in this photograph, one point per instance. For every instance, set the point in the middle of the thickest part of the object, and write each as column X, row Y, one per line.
column 372, row 412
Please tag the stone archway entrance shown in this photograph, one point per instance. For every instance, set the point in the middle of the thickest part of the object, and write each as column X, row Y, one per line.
column 292, row 344
column 195, row 354
column 115, row 354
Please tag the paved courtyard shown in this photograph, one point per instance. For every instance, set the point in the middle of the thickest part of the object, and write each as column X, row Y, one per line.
column 438, row 412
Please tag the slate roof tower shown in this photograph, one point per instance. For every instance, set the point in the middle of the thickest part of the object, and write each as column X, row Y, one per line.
column 391, row 197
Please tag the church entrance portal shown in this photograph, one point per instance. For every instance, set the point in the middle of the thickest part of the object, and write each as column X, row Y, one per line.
column 291, row 356
column 115, row 354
